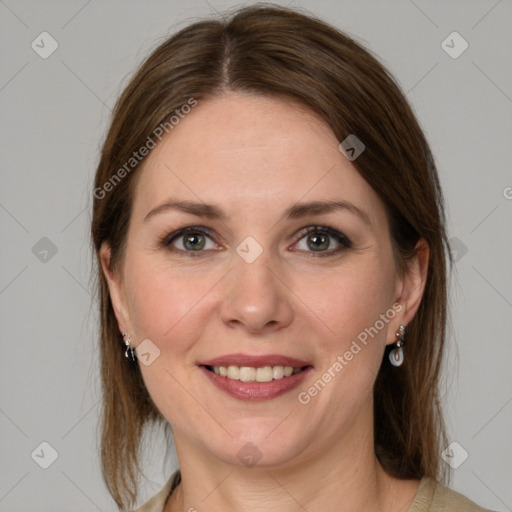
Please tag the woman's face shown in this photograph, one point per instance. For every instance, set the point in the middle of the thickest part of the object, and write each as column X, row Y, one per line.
column 254, row 243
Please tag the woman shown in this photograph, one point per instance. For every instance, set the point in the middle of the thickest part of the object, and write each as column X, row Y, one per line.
column 270, row 237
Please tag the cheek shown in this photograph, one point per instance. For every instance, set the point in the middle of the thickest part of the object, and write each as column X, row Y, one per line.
column 165, row 304
column 168, row 307
column 350, row 300
column 353, row 310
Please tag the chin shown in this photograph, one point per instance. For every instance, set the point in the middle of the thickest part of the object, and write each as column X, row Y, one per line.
column 261, row 446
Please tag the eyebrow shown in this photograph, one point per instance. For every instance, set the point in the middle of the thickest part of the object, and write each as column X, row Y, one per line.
column 295, row 211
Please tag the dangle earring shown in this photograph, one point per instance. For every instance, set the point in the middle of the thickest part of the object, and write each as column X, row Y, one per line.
column 130, row 352
column 396, row 356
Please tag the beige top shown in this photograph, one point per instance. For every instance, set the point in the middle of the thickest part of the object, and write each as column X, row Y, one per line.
column 431, row 497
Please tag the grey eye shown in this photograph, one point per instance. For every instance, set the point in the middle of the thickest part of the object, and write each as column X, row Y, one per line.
column 192, row 241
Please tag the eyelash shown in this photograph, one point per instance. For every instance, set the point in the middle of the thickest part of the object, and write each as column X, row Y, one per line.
column 344, row 242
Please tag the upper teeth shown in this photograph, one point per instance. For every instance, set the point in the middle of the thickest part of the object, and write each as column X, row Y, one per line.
column 251, row 374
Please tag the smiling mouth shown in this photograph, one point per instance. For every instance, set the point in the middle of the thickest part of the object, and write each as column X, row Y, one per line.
column 255, row 374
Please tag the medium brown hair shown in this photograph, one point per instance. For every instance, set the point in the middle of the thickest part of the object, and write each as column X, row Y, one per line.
column 283, row 53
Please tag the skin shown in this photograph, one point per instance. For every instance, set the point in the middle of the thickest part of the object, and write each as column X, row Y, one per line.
column 254, row 157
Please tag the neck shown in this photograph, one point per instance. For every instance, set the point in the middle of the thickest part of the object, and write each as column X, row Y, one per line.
column 345, row 477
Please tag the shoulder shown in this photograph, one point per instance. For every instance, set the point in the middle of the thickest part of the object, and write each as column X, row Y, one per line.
column 433, row 496
column 158, row 501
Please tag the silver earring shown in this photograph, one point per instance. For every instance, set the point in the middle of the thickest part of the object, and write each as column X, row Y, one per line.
column 130, row 352
column 396, row 356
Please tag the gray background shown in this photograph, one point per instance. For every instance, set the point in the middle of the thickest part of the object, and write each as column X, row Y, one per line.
column 54, row 112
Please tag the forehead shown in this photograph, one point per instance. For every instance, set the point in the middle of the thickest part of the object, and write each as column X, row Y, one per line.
column 251, row 154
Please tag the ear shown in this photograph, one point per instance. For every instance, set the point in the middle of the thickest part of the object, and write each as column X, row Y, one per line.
column 116, row 289
column 410, row 288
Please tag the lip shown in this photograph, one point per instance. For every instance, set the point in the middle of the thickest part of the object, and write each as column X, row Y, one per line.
column 253, row 391
column 256, row 391
column 255, row 361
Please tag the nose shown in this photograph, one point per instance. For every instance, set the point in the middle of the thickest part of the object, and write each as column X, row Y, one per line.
column 256, row 299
